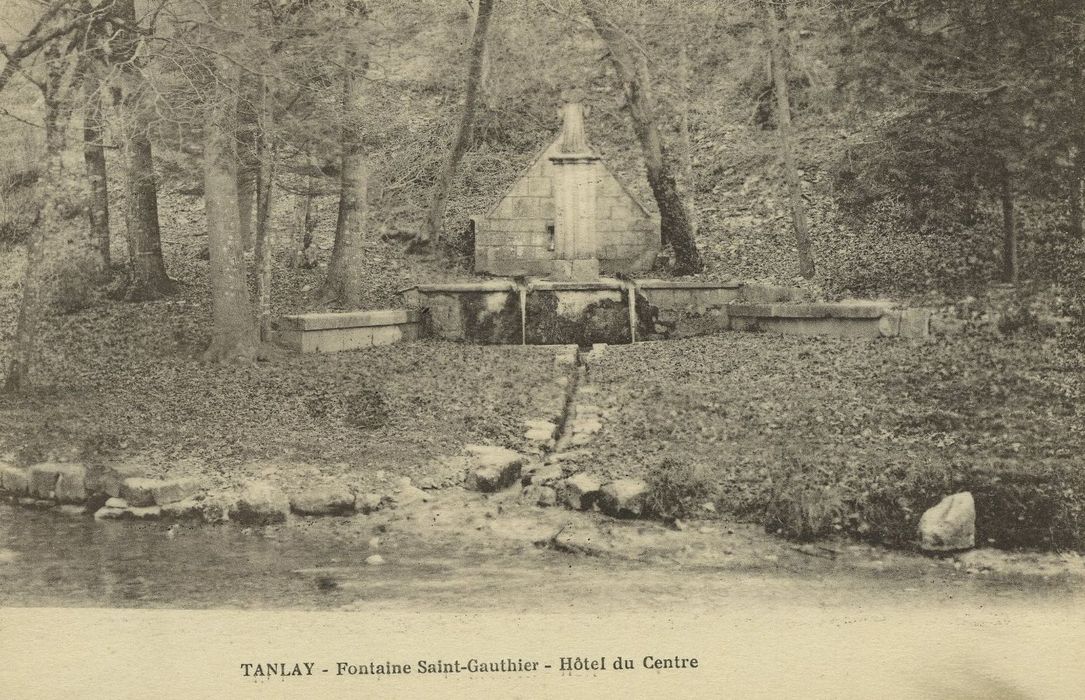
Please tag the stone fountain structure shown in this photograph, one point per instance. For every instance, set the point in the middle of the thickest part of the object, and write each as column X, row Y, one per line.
column 567, row 217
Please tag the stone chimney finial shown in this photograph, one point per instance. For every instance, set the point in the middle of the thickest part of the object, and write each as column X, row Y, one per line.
column 573, row 139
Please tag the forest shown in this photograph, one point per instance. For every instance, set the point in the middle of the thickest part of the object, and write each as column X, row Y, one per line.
column 928, row 148
column 177, row 175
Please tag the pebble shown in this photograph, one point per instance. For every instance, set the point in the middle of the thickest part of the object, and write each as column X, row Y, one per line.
column 374, row 560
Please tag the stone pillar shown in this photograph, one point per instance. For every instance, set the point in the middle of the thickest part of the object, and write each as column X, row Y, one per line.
column 576, row 172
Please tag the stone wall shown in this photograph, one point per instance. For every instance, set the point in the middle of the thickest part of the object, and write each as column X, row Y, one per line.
column 512, row 239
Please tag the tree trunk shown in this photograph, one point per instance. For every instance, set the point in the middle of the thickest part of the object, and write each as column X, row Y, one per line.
column 431, row 232
column 233, row 336
column 689, row 184
column 345, row 272
column 303, row 222
column 147, row 272
column 1077, row 176
column 775, row 14
column 674, row 216
column 264, row 183
column 1010, row 268
column 485, row 93
column 97, row 180
column 61, row 205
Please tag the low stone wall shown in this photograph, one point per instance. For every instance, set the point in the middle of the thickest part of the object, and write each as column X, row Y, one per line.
column 616, row 312
column 845, row 319
column 477, row 312
column 334, row 332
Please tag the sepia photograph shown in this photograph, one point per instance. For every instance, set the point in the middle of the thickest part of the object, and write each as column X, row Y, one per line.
column 542, row 348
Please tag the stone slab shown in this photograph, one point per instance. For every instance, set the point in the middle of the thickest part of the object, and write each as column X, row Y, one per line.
column 349, row 319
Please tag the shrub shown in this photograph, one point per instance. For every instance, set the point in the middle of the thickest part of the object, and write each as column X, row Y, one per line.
column 676, row 488
column 802, row 506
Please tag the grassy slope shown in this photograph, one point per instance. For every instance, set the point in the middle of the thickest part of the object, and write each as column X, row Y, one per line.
column 864, row 422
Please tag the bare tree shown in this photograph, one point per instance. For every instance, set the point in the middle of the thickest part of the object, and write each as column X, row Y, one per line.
column 431, row 231
column 677, row 228
column 775, row 18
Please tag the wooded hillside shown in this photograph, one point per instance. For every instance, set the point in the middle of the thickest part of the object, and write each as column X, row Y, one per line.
column 931, row 147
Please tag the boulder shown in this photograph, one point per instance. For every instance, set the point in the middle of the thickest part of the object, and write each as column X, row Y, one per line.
column 260, row 503
column 579, row 492
column 71, row 484
column 623, row 498
column 492, row 468
column 174, row 490
column 323, row 500
column 138, row 491
column 539, row 495
column 14, row 480
column 950, row 525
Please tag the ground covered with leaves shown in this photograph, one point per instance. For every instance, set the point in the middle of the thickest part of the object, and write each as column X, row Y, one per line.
column 816, row 435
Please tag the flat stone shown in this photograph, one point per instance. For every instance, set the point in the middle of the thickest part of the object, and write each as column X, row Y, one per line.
column 538, row 495
column 492, row 468
column 148, row 513
column 623, row 498
column 406, row 496
column 260, row 503
column 116, row 503
column 950, row 525
column 72, row 511
column 14, row 480
column 42, row 479
column 541, row 438
column 543, row 474
column 325, row 500
column 541, row 425
column 367, row 503
column 26, row 501
column 188, row 509
column 71, row 484
column 569, row 456
column 579, row 492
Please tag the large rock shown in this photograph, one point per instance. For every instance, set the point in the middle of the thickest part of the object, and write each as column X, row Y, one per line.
column 107, row 478
column 368, row 503
column 14, row 480
column 623, row 498
column 950, row 525
column 138, row 491
column 260, row 503
column 579, row 492
column 492, row 468
column 168, row 491
column 323, row 500
column 71, row 484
